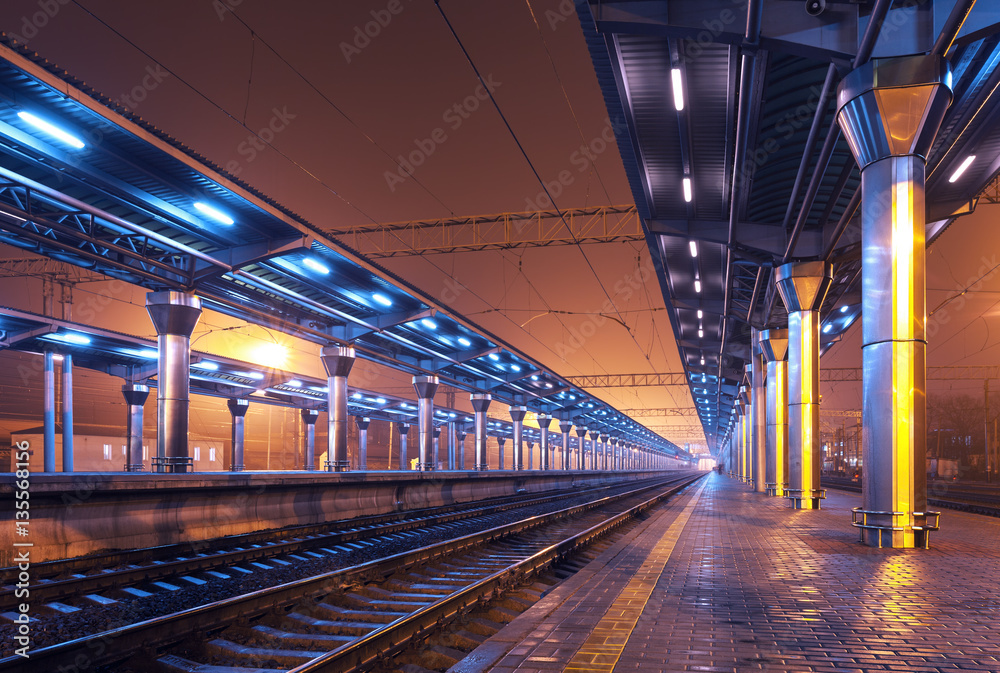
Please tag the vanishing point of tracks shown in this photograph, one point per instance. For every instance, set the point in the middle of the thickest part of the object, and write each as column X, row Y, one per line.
column 357, row 618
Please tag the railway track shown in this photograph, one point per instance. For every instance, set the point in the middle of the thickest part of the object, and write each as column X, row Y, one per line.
column 353, row 618
column 977, row 499
column 71, row 585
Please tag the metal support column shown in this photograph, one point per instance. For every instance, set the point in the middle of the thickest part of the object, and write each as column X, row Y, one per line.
column 404, row 433
column 581, row 446
column 758, row 413
column 517, row 414
column 436, row 434
column 480, row 405
column 452, row 428
column 461, row 430
column 309, row 418
column 544, row 423
column 238, row 408
column 135, row 395
column 803, row 287
column 890, row 112
column 338, row 361
column 425, row 386
column 49, row 413
column 67, row 412
column 174, row 316
column 774, row 346
column 501, row 441
column 363, row 422
column 565, row 426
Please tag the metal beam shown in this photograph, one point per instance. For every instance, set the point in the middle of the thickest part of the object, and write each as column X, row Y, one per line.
column 500, row 231
column 628, row 380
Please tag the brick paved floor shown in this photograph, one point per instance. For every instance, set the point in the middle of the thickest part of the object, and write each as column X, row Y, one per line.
column 751, row 585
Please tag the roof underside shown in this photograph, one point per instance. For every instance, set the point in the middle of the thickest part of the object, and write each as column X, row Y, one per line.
column 741, row 222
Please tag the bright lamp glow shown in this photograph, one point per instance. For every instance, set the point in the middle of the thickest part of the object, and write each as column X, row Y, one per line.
column 494, row 357
column 379, row 400
column 214, row 213
column 827, row 328
column 962, row 167
column 315, row 265
column 382, row 299
column 843, row 309
column 697, row 286
column 701, row 333
column 70, row 338
column 515, row 368
column 294, row 383
column 205, row 364
column 678, row 86
column 687, row 190
column 701, row 314
column 693, row 246
column 428, row 323
column 464, row 341
column 270, row 354
column 52, row 130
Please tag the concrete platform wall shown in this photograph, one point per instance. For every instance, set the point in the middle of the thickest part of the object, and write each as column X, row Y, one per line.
column 82, row 513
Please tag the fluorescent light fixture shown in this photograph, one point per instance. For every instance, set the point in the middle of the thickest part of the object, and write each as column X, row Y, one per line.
column 703, row 362
column 70, row 338
column 693, row 246
column 451, row 415
column 379, row 400
column 357, row 396
column 962, row 168
column 687, row 190
column 382, row 299
column 843, row 309
column 701, row 333
column 315, row 265
column 464, row 341
column 494, row 357
column 678, row 86
column 534, row 377
column 515, row 368
column 701, row 314
column 256, row 376
column 697, row 285
column 294, row 383
column 205, row 364
column 214, row 213
column 703, row 379
column 52, row 130
column 428, row 323
column 826, row 328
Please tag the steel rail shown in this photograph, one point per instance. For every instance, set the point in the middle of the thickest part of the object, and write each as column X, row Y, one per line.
column 393, row 637
column 317, row 537
column 121, row 643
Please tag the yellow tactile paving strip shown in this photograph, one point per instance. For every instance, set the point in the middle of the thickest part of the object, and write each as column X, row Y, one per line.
column 607, row 641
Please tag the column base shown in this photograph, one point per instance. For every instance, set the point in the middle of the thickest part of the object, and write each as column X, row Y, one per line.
column 309, row 468
column 236, row 468
column 481, row 468
column 138, row 467
column 425, row 467
column 877, row 530
column 173, row 464
column 775, row 490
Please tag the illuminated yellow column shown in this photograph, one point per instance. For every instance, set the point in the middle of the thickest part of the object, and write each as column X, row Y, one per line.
column 774, row 347
column 803, row 287
column 890, row 111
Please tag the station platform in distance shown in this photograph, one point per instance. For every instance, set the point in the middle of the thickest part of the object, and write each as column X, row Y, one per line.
column 727, row 580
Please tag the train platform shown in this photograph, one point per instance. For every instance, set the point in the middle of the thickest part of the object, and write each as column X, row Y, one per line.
column 728, row 581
